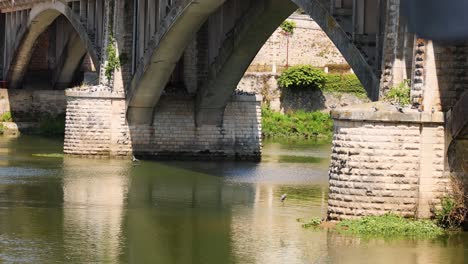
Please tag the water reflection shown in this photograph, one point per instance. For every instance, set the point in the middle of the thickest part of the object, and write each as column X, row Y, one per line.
column 66, row 210
column 452, row 249
column 94, row 194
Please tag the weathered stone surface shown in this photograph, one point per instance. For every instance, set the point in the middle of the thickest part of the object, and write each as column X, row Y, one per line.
column 174, row 134
column 382, row 163
column 96, row 126
column 29, row 105
column 266, row 84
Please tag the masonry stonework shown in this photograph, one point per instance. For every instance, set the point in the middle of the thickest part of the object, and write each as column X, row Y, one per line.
column 30, row 105
column 96, row 126
column 386, row 162
column 307, row 45
column 285, row 100
column 174, row 134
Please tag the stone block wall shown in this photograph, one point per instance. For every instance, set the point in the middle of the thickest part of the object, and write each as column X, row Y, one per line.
column 174, row 134
column 96, row 126
column 266, row 85
column 385, row 163
column 451, row 62
column 308, row 45
column 29, row 105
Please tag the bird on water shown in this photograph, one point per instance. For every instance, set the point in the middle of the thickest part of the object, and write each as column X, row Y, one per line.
column 135, row 159
column 283, row 197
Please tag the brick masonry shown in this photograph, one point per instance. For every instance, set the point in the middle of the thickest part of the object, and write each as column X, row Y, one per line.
column 384, row 163
column 96, row 126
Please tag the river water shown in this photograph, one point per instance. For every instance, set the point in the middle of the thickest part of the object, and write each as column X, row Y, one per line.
column 69, row 210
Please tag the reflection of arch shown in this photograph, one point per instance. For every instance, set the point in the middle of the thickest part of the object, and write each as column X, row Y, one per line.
column 162, row 56
column 42, row 16
column 226, row 73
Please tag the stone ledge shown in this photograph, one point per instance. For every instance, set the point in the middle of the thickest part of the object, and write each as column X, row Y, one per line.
column 97, row 95
column 386, row 113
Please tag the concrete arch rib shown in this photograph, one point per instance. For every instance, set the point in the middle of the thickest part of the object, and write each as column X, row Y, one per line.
column 226, row 72
column 161, row 57
column 40, row 17
column 347, row 48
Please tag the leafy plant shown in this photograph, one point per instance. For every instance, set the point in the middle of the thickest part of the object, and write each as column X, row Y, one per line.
column 2, row 129
column 399, row 94
column 344, row 83
column 312, row 223
column 302, row 77
column 113, row 61
column 288, row 26
column 299, row 124
column 6, row 117
column 390, row 226
column 452, row 212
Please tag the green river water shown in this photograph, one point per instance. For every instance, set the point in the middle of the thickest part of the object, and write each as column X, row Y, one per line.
column 69, row 210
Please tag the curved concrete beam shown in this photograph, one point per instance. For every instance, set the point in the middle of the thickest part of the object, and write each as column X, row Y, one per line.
column 161, row 57
column 350, row 52
column 226, row 73
column 40, row 17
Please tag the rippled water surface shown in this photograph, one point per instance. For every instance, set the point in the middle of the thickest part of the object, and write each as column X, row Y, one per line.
column 69, row 210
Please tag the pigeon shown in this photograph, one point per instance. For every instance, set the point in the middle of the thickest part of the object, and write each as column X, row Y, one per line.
column 433, row 110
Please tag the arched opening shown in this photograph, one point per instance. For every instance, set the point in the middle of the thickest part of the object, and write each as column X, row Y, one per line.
column 58, row 60
column 225, row 41
column 239, row 45
column 52, row 52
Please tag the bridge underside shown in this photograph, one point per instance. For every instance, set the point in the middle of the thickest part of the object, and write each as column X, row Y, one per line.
column 167, row 71
column 219, row 54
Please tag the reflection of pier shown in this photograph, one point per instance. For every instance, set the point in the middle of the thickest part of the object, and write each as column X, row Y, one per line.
column 178, row 216
column 93, row 200
column 268, row 234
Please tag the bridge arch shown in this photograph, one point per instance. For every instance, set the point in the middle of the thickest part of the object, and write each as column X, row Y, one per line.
column 162, row 55
column 40, row 17
column 234, row 57
column 227, row 70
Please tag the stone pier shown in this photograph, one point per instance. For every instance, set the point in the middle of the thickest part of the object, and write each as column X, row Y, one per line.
column 96, row 126
column 386, row 161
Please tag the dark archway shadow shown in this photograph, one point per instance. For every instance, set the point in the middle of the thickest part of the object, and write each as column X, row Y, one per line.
column 308, row 99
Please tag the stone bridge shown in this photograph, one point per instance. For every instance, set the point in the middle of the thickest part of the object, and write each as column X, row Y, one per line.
column 160, row 75
column 158, row 78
